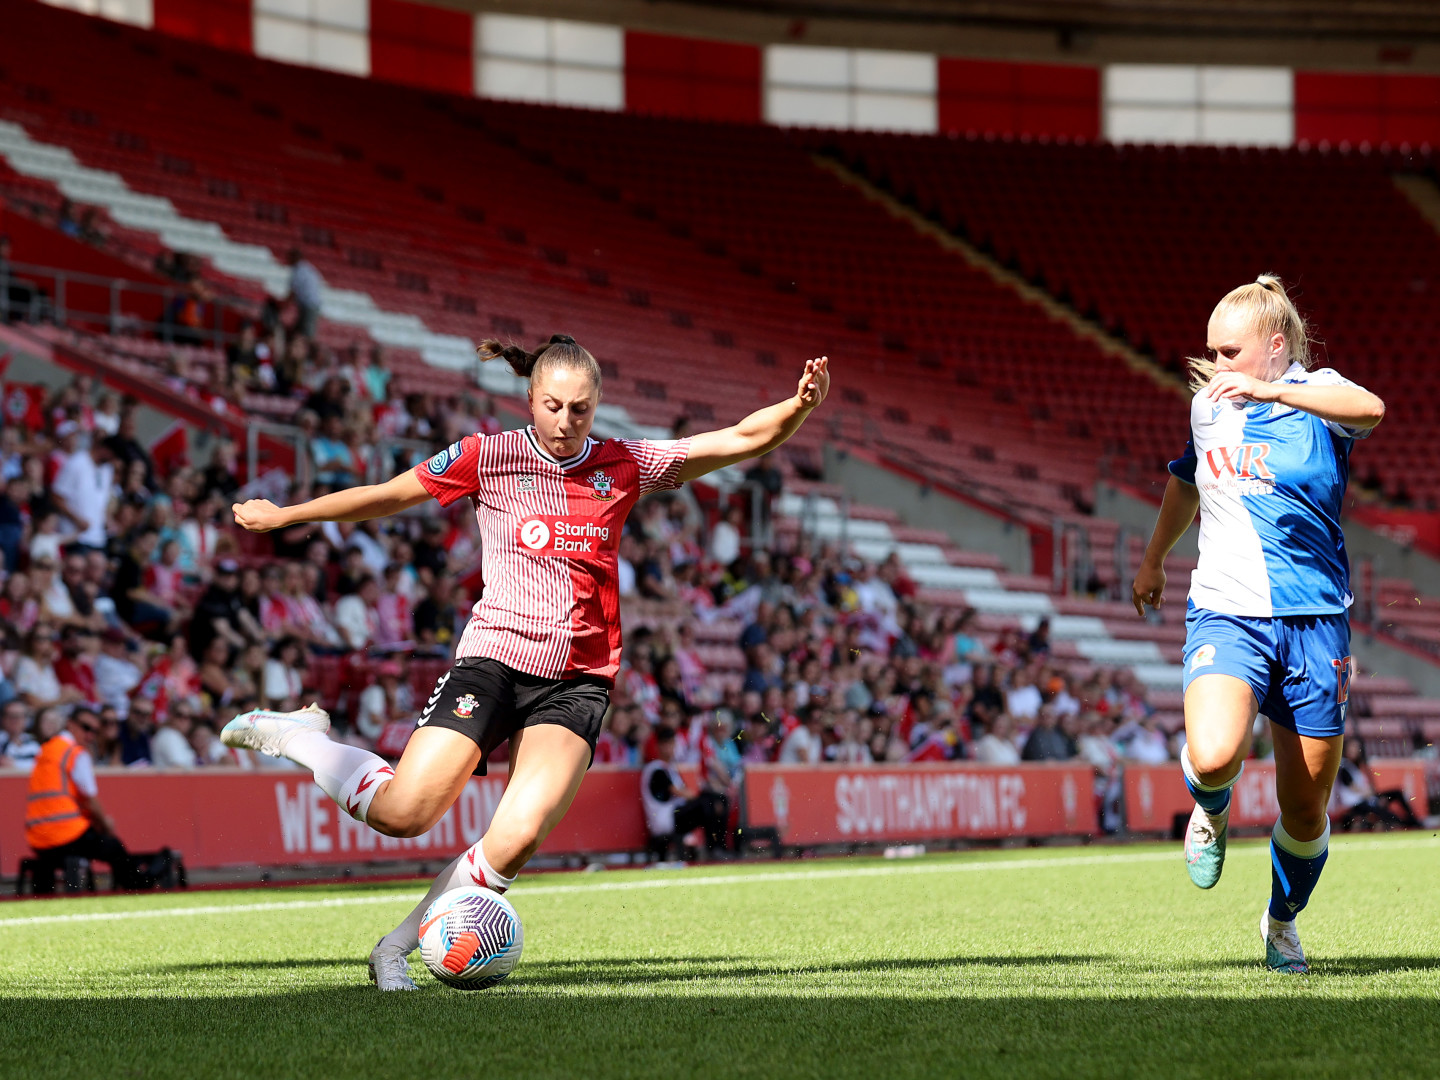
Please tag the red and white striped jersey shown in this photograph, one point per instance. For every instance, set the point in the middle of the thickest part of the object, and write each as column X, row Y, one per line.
column 550, row 535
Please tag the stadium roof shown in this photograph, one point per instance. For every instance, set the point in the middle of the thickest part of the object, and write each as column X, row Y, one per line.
column 1393, row 35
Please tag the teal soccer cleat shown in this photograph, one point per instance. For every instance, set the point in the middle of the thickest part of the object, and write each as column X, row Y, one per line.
column 1205, row 846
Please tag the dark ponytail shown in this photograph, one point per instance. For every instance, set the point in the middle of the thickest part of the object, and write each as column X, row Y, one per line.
column 560, row 350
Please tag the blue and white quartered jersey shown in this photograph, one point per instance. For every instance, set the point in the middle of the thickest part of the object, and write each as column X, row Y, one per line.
column 1271, row 482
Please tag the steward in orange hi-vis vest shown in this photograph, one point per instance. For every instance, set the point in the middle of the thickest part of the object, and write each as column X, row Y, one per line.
column 63, row 815
column 53, row 817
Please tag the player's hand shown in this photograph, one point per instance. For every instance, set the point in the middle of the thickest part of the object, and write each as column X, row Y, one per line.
column 1149, row 588
column 1234, row 386
column 257, row 515
column 814, row 383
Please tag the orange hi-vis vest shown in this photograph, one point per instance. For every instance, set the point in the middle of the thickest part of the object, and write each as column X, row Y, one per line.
column 52, row 816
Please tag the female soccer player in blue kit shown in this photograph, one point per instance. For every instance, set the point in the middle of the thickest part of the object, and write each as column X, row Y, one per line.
column 1267, row 625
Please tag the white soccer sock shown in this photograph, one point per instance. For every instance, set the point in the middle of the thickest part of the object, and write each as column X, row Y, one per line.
column 1301, row 849
column 460, row 871
column 406, row 936
column 481, row 872
column 349, row 775
column 1188, row 768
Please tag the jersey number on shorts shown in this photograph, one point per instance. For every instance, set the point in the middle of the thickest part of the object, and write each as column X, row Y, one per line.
column 1343, row 669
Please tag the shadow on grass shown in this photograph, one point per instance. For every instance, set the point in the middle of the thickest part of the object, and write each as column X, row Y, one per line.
column 1342, row 965
column 1280, row 1028
column 653, row 969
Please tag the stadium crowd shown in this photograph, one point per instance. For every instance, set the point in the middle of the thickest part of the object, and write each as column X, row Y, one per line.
column 126, row 589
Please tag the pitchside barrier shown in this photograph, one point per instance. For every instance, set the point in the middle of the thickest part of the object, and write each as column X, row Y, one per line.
column 273, row 817
column 1155, row 794
column 831, row 804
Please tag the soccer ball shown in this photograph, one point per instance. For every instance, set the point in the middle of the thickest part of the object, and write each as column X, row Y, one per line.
column 471, row 938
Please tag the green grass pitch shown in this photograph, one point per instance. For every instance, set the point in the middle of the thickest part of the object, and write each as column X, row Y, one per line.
column 1068, row 962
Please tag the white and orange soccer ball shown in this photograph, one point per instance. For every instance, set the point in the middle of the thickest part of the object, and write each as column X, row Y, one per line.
column 470, row 938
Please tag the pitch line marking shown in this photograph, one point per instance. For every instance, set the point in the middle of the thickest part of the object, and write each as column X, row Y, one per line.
column 694, row 880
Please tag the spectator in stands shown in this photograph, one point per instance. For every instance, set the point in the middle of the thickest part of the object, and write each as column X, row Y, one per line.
column 394, row 609
column 209, row 751
column 136, row 602
column 305, row 293
column 116, row 673
column 217, row 682
column 771, row 482
column 997, row 746
column 134, row 739
column 611, row 747
column 128, row 449
column 377, row 704
column 805, row 745
column 65, row 219
column 848, row 748
column 331, row 455
column 375, row 380
column 399, row 700
column 435, row 616
column 1143, row 741
column 672, row 808
column 219, row 613
column 726, row 537
column 36, row 680
column 14, row 510
column 1047, row 742
column 757, row 742
column 284, row 680
column 18, row 608
column 81, row 492
column 170, row 744
column 18, row 746
column 107, row 415
column 1023, row 700
column 357, row 616
column 1037, row 645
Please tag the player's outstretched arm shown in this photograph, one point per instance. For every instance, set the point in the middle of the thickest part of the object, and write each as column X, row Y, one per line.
column 352, row 504
column 1351, row 407
column 761, row 431
column 1177, row 511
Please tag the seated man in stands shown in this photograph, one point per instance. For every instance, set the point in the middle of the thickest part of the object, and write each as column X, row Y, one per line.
column 18, row 747
column 63, row 815
column 672, row 809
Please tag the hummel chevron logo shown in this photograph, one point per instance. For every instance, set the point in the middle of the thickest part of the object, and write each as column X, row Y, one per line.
column 352, row 806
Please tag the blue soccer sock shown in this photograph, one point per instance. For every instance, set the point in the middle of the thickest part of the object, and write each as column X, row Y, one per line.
column 1295, row 867
column 1213, row 798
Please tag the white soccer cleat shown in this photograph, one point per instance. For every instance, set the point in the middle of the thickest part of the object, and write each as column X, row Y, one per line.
column 390, row 968
column 1282, row 946
column 268, row 732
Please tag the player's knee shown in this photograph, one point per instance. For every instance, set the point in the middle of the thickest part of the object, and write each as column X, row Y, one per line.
column 399, row 821
column 1213, row 764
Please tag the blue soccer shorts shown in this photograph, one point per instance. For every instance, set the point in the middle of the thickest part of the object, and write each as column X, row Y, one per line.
column 1297, row 665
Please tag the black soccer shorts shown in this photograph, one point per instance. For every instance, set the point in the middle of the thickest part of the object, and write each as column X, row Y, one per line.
column 488, row 702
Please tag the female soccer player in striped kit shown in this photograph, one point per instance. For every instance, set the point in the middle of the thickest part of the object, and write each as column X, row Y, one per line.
column 1267, row 627
column 537, row 661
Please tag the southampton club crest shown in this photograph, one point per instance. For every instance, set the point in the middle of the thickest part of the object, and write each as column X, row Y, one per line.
column 602, row 485
column 465, row 706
